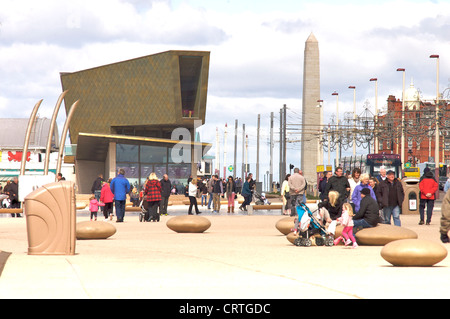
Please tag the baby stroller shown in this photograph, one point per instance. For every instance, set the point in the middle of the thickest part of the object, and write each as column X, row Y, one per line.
column 260, row 199
column 4, row 201
column 143, row 215
column 308, row 225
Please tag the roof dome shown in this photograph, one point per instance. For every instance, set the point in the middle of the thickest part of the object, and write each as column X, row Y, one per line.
column 412, row 97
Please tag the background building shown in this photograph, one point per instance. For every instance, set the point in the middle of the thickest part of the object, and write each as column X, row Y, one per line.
column 133, row 114
column 420, row 122
column 12, row 136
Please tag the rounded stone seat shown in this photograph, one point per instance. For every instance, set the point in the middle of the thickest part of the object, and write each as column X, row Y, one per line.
column 383, row 234
column 291, row 237
column 81, row 205
column 413, row 253
column 94, row 230
column 188, row 224
column 285, row 225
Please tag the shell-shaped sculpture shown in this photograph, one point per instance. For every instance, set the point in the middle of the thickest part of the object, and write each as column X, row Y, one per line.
column 51, row 215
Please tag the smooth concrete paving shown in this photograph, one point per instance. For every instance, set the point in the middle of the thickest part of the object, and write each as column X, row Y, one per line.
column 238, row 257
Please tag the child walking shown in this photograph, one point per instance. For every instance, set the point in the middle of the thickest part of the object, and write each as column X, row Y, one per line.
column 346, row 220
column 93, row 207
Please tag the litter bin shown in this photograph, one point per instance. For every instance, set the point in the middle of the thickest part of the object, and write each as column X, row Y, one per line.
column 412, row 196
column 51, row 219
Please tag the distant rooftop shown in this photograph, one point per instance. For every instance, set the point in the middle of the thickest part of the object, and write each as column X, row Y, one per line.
column 12, row 133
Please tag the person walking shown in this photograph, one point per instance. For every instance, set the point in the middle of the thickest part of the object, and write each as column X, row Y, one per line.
column 96, row 188
column 153, row 192
column 285, row 195
column 338, row 183
column 247, row 193
column 217, row 192
column 230, row 192
column 346, row 220
column 107, row 197
column 13, row 192
column 428, row 188
column 390, row 197
column 209, row 187
column 204, row 191
column 93, row 207
column 193, row 196
column 297, row 185
column 120, row 187
column 166, row 187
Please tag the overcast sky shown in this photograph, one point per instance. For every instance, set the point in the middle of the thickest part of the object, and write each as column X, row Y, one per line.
column 256, row 52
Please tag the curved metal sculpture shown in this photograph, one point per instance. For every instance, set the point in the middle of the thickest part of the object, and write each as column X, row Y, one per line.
column 50, row 133
column 27, row 136
column 63, row 136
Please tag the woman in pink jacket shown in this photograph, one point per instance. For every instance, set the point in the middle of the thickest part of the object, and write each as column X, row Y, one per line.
column 107, row 197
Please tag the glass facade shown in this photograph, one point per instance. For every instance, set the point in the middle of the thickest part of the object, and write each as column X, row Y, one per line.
column 190, row 70
column 139, row 161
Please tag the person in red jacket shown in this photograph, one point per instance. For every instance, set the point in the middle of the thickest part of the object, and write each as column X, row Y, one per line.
column 428, row 187
column 107, row 197
column 153, row 193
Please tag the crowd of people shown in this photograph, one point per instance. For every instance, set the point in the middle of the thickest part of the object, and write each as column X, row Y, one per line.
column 156, row 192
column 359, row 200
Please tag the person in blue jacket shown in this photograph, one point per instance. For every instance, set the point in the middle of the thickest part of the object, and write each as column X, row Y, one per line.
column 356, row 196
column 120, row 187
column 247, row 193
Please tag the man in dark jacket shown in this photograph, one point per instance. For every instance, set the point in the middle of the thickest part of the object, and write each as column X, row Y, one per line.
column 367, row 216
column 96, row 188
column 390, row 197
column 166, row 187
column 338, row 183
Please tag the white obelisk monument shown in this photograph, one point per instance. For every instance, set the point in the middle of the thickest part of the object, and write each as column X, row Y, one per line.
column 311, row 153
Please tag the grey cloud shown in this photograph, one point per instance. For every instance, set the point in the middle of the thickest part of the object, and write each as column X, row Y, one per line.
column 438, row 27
column 287, row 26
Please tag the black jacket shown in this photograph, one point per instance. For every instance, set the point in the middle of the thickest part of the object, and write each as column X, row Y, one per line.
column 97, row 185
column 368, row 211
column 383, row 190
column 338, row 184
column 166, row 187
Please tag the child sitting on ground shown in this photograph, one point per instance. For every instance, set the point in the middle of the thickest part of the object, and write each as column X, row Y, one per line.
column 93, row 206
column 347, row 221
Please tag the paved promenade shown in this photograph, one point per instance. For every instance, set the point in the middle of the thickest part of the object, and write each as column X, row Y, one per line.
column 238, row 257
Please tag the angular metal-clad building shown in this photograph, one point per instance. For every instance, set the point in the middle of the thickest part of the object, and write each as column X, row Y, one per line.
column 128, row 111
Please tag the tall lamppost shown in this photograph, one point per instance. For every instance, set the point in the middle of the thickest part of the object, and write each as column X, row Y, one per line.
column 376, row 114
column 436, row 146
column 320, row 149
column 337, row 126
column 354, row 119
column 402, row 155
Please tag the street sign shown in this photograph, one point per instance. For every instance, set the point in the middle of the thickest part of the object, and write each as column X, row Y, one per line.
column 230, row 168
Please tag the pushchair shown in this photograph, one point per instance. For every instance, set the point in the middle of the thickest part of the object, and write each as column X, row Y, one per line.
column 307, row 225
column 260, row 199
column 144, row 212
column 144, row 215
column 4, row 201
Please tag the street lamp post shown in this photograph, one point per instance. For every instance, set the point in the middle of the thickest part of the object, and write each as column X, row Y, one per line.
column 402, row 142
column 337, row 126
column 354, row 119
column 320, row 149
column 376, row 114
column 436, row 146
